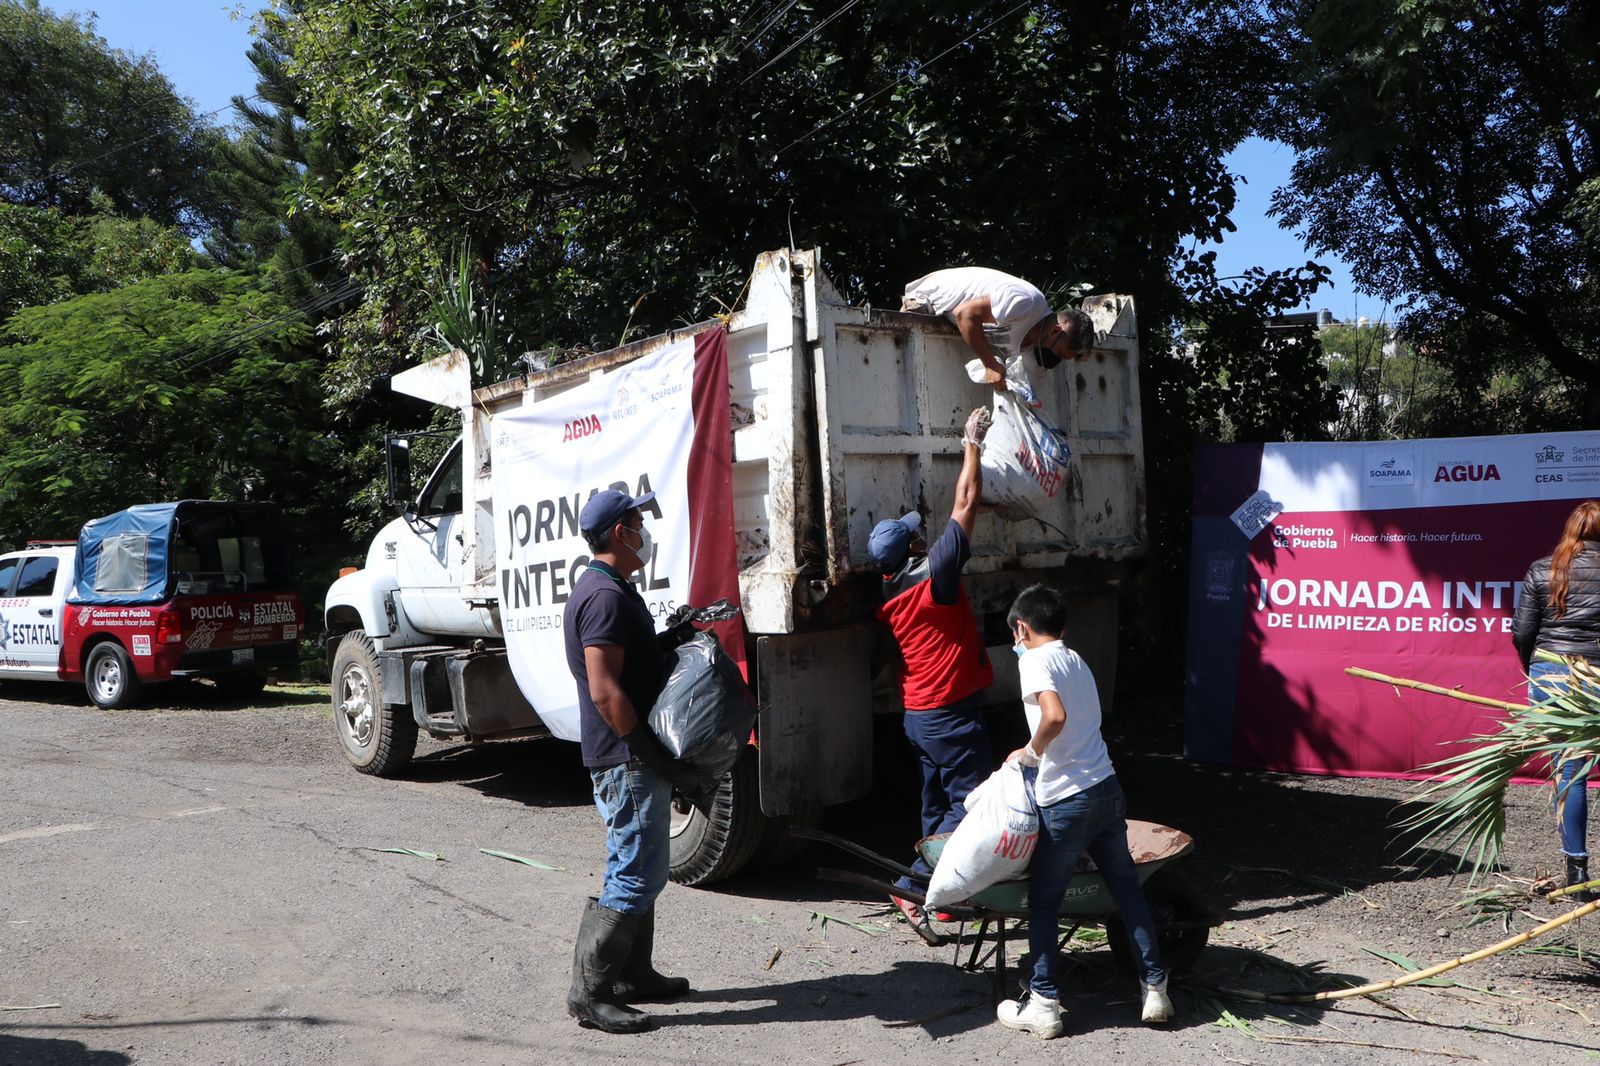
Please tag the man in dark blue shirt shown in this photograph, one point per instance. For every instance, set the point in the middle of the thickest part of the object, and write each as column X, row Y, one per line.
column 614, row 656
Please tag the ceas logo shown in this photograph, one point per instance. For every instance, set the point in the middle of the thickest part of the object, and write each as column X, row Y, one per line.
column 587, row 426
column 1466, row 472
column 1548, row 454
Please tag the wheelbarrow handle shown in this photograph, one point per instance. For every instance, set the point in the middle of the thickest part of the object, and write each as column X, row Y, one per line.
column 806, row 833
column 922, row 928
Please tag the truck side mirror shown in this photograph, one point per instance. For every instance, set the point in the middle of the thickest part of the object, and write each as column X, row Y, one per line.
column 397, row 456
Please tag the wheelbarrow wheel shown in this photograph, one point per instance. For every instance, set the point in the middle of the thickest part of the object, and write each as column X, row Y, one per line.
column 1182, row 924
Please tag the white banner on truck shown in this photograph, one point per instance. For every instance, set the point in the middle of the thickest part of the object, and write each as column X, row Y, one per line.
column 658, row 424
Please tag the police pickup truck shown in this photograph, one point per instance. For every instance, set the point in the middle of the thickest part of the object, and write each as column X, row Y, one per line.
column 197, row 588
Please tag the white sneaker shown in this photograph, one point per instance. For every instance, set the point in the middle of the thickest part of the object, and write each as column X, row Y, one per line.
column 1031, row 1014
column 1157, row 1006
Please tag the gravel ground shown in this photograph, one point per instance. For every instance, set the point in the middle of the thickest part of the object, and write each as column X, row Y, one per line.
column 199, row 885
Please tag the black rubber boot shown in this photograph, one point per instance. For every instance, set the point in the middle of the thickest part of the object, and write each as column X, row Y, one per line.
column 639, row 981
column 604, row 938
column 1577, row 874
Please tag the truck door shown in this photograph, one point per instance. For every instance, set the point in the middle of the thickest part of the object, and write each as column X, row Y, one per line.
column 30, row 621
column 429, row 561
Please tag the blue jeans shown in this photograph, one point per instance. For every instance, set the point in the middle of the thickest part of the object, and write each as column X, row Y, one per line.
column 952, row 746
column 1094, row 821
column 637, row 807
column 1572, row 796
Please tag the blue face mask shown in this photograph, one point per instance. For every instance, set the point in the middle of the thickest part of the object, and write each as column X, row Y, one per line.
column 1020, row 649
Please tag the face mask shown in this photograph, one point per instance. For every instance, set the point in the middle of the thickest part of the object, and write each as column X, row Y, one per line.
column 645, row 544
column 1020, row 649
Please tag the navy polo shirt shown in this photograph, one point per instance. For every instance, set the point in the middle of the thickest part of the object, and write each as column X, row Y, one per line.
column 606, row 608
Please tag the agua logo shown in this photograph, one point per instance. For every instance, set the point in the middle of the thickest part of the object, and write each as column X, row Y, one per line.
column 1466, row 472
column 587, row 426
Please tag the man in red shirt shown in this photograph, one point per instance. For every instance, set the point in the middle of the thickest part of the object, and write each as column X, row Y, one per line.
column 946, row 666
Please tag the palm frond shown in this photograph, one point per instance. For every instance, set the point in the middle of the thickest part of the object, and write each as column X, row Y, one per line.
column 1464, row 796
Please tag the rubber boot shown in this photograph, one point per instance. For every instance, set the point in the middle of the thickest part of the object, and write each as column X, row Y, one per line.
column 639, row 981
column 1577, row 874
column 604, row 937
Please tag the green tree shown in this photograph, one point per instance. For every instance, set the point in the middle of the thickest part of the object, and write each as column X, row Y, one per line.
column 1386, row 389
column 78, row 117
column 181, row 385
column 1447, row 150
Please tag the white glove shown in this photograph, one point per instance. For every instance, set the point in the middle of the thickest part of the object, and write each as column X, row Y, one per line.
column 1028, row 757
column 977, row 427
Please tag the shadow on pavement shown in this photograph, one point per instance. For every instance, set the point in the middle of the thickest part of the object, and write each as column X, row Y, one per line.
column 180, row 695
column 36, row 1051
column 538, row 773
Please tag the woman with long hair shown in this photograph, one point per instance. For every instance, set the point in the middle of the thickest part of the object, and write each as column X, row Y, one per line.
column 1559, row 612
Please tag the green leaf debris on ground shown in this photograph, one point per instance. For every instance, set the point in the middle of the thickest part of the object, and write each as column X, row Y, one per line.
column 413, row 852
column 1410, row 965
column 825, row 919
column 535, row 863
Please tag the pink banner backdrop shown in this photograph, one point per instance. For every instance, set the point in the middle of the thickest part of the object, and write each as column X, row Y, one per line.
column 1404, row 558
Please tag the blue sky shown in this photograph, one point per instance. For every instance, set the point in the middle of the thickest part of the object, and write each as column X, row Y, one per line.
column 201, row 45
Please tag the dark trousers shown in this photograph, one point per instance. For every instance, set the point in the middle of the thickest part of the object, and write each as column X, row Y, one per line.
column 952, row 746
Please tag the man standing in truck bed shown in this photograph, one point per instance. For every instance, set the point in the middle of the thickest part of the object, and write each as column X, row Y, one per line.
column 615, row 658
column 945, row 665
column 1003, row 319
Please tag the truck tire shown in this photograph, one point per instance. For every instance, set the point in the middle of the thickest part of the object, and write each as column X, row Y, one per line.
column 375, row 737
column 709, row 849
column 109, row 676
column 778, row 848
column 1182, row 924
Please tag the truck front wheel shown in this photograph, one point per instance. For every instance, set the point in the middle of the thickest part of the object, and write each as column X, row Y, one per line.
column 109, row 676
column 708, row 848
column 376, row 738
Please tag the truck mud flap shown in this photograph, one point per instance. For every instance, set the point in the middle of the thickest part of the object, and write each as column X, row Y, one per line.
column 815, row 725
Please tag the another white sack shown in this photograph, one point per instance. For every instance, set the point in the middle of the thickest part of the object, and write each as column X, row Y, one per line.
column 1026, row 461
column 993, row 842
column 1016, row 378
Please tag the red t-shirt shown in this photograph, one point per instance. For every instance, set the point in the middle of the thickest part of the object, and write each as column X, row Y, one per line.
column 928, row 612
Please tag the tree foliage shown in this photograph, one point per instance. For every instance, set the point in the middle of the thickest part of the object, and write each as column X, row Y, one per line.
column 599, row 152
column 146, row 393
column 78, row 118
column 1446, row 149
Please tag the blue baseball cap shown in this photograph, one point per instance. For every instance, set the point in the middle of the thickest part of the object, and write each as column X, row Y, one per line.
column 891, row 539
column 606, row 508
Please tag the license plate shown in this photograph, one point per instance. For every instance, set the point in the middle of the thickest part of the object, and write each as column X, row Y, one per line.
column 244, row 655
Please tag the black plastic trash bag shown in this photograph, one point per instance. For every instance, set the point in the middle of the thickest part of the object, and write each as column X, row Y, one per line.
column 705, row 713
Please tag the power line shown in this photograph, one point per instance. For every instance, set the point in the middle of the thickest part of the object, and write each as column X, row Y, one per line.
column 235, row 342
column 918, row 69
column 766, row 26
column 60, row 172
column 818, row 28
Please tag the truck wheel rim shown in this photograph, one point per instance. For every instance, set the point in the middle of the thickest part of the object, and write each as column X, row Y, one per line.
column 355, row 705
column 683, row 813
column 108, row 677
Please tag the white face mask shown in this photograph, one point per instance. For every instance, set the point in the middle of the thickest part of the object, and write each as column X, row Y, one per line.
column 645, row 545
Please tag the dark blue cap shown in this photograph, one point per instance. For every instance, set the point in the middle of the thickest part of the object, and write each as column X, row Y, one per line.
column 606, row 508
column 891, row 539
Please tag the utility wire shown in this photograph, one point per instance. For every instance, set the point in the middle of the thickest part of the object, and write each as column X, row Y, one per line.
column 818, row 28
column 235, row 342
column 918, row 69
column 60, row 172
column 766, row 26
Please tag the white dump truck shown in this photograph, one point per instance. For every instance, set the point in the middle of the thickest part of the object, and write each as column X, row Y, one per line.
column 840, row 415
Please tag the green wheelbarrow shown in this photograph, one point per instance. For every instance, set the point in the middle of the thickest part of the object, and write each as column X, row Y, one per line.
column 1183, row 919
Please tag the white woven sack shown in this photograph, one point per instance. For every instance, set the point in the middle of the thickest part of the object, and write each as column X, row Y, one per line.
column 1026, row 462
column 993, row 842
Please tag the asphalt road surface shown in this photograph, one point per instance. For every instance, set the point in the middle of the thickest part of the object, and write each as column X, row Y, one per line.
column 206, row 885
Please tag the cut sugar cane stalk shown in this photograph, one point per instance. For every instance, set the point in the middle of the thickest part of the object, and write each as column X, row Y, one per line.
column 1437, row 690
column 1420, row 975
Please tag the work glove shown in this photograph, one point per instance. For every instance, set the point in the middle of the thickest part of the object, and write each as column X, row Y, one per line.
column 643, row 745
column 977, row 427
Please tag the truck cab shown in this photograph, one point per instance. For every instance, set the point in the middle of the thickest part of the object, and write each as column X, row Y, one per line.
column 33, row 588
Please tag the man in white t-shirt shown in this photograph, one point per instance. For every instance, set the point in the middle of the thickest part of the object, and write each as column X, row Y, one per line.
column 1003, row 319
column 1081, row 809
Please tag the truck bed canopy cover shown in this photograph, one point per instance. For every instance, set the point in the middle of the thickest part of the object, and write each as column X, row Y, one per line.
column 136, row 556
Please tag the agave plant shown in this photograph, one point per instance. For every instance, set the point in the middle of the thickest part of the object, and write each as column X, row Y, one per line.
column 1465, row 796
column 459, row 319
